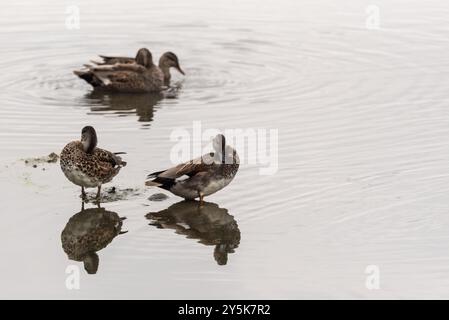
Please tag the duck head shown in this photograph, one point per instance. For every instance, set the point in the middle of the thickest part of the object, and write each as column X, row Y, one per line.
column 89, row 139
column 219, row 145
column 144, row 58
column 169, row 60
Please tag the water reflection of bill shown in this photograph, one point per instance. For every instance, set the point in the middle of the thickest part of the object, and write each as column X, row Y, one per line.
column 210, row 224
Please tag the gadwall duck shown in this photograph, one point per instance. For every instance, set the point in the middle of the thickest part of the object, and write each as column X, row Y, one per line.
column 166, row 61
column 202, row 176
column 88, row 166
column 124, row 74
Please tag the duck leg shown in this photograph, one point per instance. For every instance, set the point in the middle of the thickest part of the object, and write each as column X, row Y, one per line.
column 98, row 193
column 83, row 193
column 201, row 198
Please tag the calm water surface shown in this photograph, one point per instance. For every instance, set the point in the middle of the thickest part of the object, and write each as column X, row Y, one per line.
column 363, row 177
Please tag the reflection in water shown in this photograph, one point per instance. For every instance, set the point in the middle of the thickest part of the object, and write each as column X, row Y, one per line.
column 208, row 223
column 87, row 232
column 124, row 103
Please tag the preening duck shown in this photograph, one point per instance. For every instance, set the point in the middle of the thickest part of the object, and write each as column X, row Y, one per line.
column 202, row 176
column 88, row 166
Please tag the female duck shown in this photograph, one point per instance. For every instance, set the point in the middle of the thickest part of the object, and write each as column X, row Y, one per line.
column 202, row 176
column 131, row 75
column 88, row 166
column 166, row 61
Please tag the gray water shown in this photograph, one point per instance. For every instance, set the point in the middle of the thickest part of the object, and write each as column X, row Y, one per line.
column 362, row 118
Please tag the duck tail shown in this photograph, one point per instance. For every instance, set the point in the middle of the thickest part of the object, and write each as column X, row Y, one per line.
column 89, row 77
column 118, row 160
column 98, row 63
column 151, row 183
column 164, row 183
column 154, row 174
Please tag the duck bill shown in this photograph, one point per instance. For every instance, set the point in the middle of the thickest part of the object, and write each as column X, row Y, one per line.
column 180, row 70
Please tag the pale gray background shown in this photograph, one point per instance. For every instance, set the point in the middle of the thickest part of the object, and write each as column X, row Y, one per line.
column 363, row 123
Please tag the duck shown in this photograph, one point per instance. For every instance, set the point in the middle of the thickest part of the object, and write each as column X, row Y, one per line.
column 166, row 61
column 88, row 166
column 202, row 176
column 209, row 224
column 134, row 75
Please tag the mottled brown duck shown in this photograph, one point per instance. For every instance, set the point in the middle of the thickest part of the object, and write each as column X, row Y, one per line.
column 124, row 74
column 88, row 166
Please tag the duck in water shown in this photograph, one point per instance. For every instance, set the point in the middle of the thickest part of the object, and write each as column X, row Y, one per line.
column 88, row 166
column 123, row 74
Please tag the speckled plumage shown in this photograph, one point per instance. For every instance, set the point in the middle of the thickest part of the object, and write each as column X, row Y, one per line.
column 89, row 170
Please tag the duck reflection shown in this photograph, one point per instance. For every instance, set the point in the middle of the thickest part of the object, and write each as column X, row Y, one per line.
column 87, row 232
column 213, row 226
column 125, row 103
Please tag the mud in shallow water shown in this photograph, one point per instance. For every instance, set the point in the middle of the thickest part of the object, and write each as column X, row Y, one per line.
column 112, row 194
column 35, row 162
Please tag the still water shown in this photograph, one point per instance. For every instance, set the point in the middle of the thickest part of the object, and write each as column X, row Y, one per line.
column 362, row 118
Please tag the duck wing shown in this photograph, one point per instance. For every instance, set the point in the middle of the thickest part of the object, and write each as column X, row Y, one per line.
column 114, row 60
column 190, row 168
column 195, row 166
column 109, row 158
column 119, row 76
column 198, row 166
